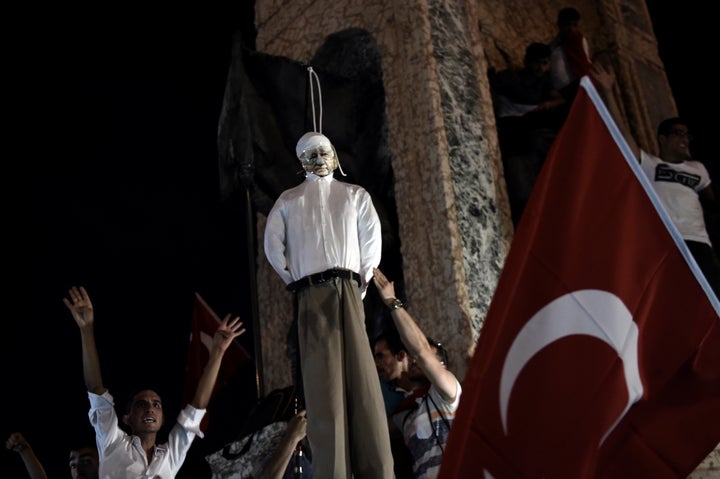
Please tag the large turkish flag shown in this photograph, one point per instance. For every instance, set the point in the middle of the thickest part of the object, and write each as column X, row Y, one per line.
column 600, row 353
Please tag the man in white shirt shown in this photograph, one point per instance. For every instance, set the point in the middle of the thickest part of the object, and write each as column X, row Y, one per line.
column 137, row 455
column 323, row 238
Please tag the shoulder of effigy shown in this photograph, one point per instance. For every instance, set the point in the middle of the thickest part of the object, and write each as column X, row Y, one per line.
column 293, row 193
column 351, row 188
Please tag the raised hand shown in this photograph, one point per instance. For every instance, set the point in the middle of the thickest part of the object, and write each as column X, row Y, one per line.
column 16, row 442
column 297, row 427
column 80, row 306
column 227, row 332
column 385, row 287
column 604, row 77
column 224, row 335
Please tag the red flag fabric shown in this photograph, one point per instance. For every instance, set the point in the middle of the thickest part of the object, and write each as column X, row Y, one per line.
column 600, row 353
column 204, row 324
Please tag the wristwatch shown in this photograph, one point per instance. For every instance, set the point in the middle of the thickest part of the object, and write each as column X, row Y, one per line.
column 395, row 304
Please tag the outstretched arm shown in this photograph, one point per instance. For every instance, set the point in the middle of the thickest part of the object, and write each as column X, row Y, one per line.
column 16, row 442
column 224, row 336
column 416, row 342
column 295, row 432
column 81, row 308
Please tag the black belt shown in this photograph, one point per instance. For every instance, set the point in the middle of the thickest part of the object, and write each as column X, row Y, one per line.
column 324, row 277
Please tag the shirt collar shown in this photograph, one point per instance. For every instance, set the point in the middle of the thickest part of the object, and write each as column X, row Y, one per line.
column 157, row 449
column 314, row 177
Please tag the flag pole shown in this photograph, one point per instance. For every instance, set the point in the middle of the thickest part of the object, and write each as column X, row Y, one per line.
column 252, row 284
column 252, row 279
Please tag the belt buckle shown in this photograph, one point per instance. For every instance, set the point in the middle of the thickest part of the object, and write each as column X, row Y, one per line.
column 324, row 276
column 320, row 278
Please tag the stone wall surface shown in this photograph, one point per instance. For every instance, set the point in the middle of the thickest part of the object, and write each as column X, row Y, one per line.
column 452, row 206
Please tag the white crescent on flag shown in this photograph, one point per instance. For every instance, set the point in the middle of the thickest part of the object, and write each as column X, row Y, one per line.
column 595, row 313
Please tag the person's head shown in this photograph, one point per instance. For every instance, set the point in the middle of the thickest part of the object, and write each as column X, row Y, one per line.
column 144, row 412
column 537, row 58
column 84, row 463
column 568, row 19
column 674, row 138
column 391, row 358
column 316, row 153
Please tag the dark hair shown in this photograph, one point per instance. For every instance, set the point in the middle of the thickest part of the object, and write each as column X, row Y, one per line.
column 130, row 400
column 666, row 126
column 86, row 439
column 567, row 15
column 392, row 338
column 91, row 447
column 441, row 351
column 536, row 51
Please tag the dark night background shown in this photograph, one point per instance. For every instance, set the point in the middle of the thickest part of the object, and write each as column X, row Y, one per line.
column 126, row 202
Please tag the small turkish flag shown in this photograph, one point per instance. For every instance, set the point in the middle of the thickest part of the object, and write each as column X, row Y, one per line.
column 204, row 324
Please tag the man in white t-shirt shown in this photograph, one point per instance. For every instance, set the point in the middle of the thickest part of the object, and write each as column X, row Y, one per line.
column 681, row 183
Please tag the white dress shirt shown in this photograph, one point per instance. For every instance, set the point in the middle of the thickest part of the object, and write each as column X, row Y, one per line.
column 321, row 224
column 122, row 455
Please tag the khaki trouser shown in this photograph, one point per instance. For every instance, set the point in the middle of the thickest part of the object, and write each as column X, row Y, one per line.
column 347, row 426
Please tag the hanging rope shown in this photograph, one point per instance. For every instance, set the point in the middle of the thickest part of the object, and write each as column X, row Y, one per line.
column 317, row 119
column 314, row 76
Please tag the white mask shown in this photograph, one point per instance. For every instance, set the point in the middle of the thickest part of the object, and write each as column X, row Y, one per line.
column 316, row 154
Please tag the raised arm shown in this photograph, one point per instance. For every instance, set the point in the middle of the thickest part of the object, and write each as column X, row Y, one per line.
column 17, row 442
column 416, row 342
column 81, row 308
column 604, row 79
column 224, row 336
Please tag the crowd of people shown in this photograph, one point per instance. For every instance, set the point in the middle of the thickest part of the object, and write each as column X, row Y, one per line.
column 374, row 407
column 531, row 103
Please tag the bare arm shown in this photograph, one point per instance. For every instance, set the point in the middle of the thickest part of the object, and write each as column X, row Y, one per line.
column 556, row 99
column 81, row 308
column 296, row 430
column 710, row 205
column 707, row 194
column 16, row 442
column 416, row 342
column 224, row 336
column 604, row 78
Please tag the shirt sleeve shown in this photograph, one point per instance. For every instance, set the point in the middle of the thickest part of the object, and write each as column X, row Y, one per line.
column 190, row 418
column 704, row 177
column 104, row 420
column 448, row 407
column 275, row 241
column 183, row 433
